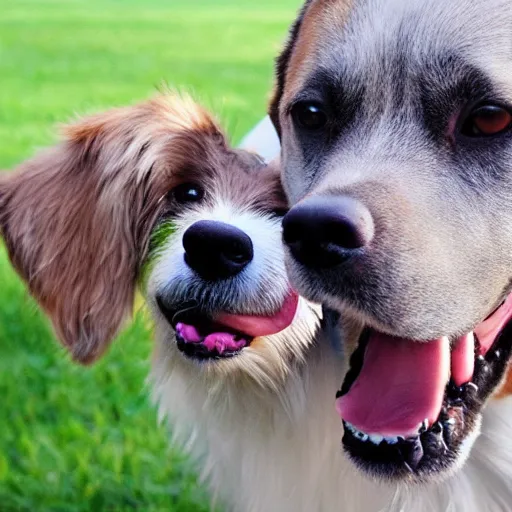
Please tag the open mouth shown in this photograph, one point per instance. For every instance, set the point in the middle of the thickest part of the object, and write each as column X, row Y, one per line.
column 207, row 340
column 204, row 336
column 407, row 407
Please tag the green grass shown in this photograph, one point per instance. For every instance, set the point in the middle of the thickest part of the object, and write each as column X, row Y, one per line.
column 71, row 438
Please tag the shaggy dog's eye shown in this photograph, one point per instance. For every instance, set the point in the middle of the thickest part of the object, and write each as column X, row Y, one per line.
column 308, row 115
column 486, row 120
column 187, row 193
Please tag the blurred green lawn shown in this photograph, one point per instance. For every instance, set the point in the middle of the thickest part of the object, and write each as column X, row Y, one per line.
column 73, row 438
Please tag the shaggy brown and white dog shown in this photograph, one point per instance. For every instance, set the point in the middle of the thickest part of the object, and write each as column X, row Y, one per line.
column 152, row 196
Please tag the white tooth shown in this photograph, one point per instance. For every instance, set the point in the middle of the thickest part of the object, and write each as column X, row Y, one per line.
column 361, row 435
column 451, row 421
column 472, row 385
column 391, row 440
column 349, row 427
column 423, row 427
column 376, row 438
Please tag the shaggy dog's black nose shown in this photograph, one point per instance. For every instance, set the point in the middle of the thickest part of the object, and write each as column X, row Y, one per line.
column 323, row 231
column 216, row 250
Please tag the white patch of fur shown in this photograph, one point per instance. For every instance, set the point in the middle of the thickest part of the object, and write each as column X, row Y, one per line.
column 261, row 287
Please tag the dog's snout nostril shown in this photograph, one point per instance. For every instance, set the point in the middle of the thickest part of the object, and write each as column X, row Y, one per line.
column 349, row 233
column 291, row 231
column 216, row 250
column 237, row 252
column 324, row 231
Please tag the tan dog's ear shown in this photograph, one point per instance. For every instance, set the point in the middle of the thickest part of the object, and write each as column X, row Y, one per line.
column 308, row 35
column 281, row 67
column 76, row 218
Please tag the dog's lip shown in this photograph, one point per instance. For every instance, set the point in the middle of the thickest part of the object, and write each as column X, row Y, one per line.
column 190, row 312
column 375, row 409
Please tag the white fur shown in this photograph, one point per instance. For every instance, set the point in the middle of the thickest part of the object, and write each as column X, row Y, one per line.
column 261, row 286
column 281, row 451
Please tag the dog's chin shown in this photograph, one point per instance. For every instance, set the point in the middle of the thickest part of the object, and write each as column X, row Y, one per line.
column 206, row 336
column 411, row 410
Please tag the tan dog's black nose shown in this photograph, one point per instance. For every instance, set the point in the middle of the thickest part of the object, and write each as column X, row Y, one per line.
column 324, row 231
column 216, row 250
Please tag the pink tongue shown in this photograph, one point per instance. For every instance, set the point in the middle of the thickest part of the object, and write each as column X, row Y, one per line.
column 400, row 385
column 220, row 341
column 189, row 333
column 402, row 382
column 262, row 325
column 251, row 326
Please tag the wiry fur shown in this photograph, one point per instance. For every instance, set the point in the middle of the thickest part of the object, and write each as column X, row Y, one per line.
column 77, row 220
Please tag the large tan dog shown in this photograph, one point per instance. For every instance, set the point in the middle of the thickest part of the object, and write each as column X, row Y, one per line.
column 395, row 121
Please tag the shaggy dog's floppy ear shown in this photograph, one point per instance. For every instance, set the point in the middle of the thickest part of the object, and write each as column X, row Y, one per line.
column 76, row 219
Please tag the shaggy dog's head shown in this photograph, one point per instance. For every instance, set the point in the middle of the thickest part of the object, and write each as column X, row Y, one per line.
column 153, row 196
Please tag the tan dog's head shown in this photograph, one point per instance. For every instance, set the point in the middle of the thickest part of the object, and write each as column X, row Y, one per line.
column 396, row 128
column 153, row 196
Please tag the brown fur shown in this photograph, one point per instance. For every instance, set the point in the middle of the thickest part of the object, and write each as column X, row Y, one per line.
column 298, row 58
column 76, row 218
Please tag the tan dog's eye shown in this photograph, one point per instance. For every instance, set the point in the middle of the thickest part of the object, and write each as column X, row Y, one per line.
column 487, row 120
column 187, row 193
column 309, row 116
